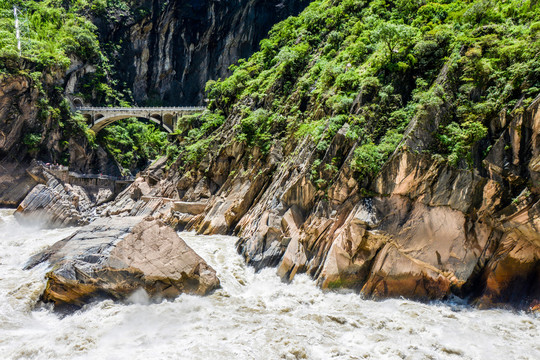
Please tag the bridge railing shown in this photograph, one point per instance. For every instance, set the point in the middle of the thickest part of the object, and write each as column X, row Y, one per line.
column 146, row 109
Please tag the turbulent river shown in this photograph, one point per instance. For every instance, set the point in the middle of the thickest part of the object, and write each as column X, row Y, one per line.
column 253, row 316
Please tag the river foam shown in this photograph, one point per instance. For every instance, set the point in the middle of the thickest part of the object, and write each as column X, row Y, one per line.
column 253, row 316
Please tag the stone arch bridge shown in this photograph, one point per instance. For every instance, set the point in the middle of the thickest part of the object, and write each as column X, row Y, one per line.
column 166, row 117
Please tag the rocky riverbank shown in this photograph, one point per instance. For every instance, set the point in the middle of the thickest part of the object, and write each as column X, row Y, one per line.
column 114, row 257
column 391, row 168
column 424, row 230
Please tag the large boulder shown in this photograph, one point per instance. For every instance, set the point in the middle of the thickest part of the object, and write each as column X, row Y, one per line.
column 55, row 204
column 17, row 179
column 114, row 257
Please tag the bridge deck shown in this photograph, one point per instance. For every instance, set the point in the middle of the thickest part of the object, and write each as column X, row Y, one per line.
column 129, row 109
column 166, row 116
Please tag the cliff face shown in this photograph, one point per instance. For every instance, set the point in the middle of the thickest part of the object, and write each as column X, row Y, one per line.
column 424, row 229
column 170, row 49
column 35, row 123
column 165, row 52
column 18, row 114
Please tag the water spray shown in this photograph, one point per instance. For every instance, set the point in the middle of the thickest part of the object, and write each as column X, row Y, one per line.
column 17, row 30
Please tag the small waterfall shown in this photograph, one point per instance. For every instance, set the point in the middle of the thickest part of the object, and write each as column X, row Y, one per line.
column 17, row 29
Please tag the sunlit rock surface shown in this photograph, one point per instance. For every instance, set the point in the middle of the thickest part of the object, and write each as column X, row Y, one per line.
column 114, row 257
column 421, row 229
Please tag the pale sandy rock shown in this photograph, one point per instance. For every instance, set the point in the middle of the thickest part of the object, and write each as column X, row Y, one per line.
column 114, row 257
column 193, row 208
column 55, row 204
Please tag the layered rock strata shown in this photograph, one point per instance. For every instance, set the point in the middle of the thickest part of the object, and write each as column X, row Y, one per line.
column 53, row 203
column 421, row 229
column 114, row 257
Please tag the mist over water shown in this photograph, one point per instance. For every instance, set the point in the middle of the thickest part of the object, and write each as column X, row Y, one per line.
column 253, row 316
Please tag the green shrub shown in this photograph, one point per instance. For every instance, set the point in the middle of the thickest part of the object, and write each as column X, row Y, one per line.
column 32, row 140
column 133, row 143
column 255, row 129
column 369, row 158
column 51, row 32
column 458, row 140
column 380, row 64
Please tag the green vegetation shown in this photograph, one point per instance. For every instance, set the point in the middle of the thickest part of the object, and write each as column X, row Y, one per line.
column 133, row 143
column 52, row 31
column 374, row 65
column 368, row 67
column 368, row 158
column 459, row 140
column 53, row 34
column 194, row 137
column 32, row 140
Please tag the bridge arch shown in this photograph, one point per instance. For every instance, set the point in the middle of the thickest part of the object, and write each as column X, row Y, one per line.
column 103, row 121
column 166, row 117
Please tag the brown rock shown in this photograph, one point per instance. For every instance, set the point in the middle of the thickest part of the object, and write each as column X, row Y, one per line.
column 55, row 204
column 114, row 257
column 394, row 274
column 193, row 208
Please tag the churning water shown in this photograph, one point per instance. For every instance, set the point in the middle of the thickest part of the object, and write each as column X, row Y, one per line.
column 254, row 316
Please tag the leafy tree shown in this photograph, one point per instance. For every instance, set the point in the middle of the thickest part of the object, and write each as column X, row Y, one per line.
column 393, row 35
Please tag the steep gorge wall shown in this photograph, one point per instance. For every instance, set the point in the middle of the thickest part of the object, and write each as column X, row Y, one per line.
column 165, row 51
column 170, row 49
column 34, row 124
column 423, row 229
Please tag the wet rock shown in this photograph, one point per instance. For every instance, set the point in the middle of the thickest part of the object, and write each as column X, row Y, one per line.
column 55, row 204
column 350, row 257
column 395, row 274
column 114, row 257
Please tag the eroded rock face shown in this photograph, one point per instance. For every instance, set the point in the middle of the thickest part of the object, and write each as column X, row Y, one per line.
column 171, row 51
column 26, row 134
column 114, row 257
column 55, row 204
column 18, row 115
column 421, row 229
column 15, row 183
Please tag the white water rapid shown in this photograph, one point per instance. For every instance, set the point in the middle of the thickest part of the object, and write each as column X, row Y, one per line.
column 254, row 316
